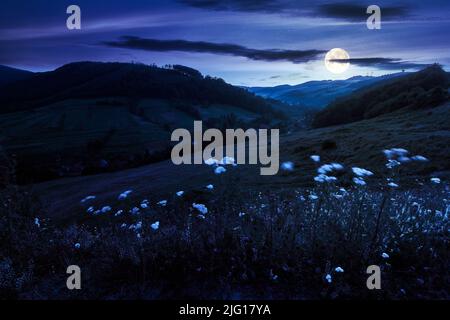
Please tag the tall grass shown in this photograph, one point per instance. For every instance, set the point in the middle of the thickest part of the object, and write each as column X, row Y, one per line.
column 278, row 244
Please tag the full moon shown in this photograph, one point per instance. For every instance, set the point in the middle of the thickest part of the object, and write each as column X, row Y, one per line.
column 334, row 66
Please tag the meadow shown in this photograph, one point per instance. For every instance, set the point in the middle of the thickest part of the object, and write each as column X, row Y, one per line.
column 85, row 180
column 222, row 241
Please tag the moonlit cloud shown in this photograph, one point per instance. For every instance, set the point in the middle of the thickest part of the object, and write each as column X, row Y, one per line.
column 295, row 56
column 357, row 12
column 382, row 63
column 337, row 10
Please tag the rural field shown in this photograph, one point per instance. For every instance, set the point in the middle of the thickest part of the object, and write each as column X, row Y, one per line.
column 87, row 180
column 223, row 240
column 207, row 159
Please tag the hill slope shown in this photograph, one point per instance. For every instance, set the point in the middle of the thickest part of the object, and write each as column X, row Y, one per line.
column 93, row 117
column 423, row 89
column 94, row 80
column 424, row 132
column 9, row 75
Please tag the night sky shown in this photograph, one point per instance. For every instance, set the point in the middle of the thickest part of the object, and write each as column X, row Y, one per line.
column 247, row 42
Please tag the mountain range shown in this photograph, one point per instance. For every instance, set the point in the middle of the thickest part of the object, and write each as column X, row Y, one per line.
column 318, row 94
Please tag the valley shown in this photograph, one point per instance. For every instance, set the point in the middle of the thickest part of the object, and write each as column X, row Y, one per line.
column 86, row 175
column 421, row 132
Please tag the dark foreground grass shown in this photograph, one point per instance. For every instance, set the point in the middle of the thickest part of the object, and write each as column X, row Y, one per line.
column 278, row 244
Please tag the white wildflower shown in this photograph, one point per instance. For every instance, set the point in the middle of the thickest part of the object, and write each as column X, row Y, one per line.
column 392, row 185
column 359, row 181
column 419, row 158
column 136, row 227
column 337, row 166
column 200, row 207
column 388, row 153
column 155, row 225
column 209, row 187
column 392, row 164
column 313, row 197
column 135, row 210
column 435, row 180
column 399, row 151
column 219, row 170
column 315, row 158
column 211, row 162
column 162, row 203
column 329, row 278
column 227, row 160
column 395, row 152
column 37, row 222
column 287, row 166
column 339, row 269
column 106, row 209
column 77, row 245
column 384, row 255
column 324, row 169
column 404, row 159
column 180, row 193
column 327, row 168
column 273, row 276
column 321, row 178
column 360, row 172
column 124, row 194
column 87, row 199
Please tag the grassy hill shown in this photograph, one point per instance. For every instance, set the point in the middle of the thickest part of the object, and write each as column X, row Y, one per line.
column 90, row 117
column 423, row 89
column 89, row 80
column 423, row 132
column 282, row 236
column 10, row 75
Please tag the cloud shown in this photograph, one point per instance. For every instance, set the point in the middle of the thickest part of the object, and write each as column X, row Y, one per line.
column 295, row 56
column 340, row 10
column 355, row 12
column 239, row 5
column 382, row 63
